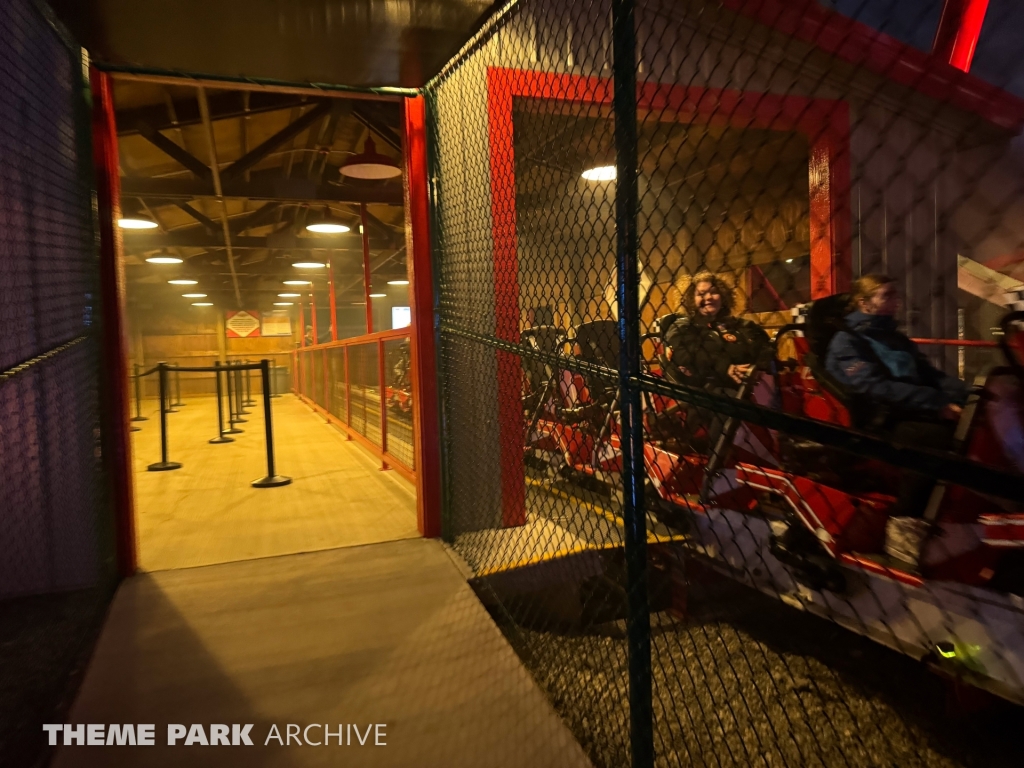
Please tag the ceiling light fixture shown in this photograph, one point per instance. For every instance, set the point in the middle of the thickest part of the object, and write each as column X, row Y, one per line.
column 297, row 282
column 193, row 295
column 164, row 260
column 370, row 164
column 378, row 295
column 288, row 295
column 282, row 303
column 139, row 221
column 398, row 282
column 202, row 303
column 600, row 173
column 183, row 282
column 328, row 224
column 308, row 265
column 359, row 303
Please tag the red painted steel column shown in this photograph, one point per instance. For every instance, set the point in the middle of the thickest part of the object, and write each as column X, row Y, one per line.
column 426, row 424
column 383, row 405
column 506, row 296
column 312, row 311
column 366, row 267
column 956, row 38
column 116, row 444
column 348, row 398
column 333, row 302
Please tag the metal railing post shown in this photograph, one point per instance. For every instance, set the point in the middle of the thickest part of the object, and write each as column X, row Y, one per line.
column 233, row 417
column 638, row 626
column 248, row 388
column 220, row 438
column 239, row 396
column 138, row 397
column 163, row 465
column 177, row 387
column 272, row 479
column 383, row 404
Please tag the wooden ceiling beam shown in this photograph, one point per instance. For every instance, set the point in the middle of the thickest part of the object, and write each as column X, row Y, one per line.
column 269, row 189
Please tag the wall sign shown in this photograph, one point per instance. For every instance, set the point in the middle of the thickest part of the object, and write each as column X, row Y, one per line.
column 243, row 324
column 277, row 323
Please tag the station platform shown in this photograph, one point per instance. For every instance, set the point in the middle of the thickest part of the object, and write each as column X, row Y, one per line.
column 207, row 512
column 387, row 633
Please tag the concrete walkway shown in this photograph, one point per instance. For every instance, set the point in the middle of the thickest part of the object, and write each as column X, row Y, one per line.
column 207, row 512
column 387, row 633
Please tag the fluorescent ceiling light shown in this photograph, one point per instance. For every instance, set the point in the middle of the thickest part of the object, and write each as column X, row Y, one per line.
column 202, row 303
column 600, row 173
column 327, row 228
column 282, row 303
column 288, row 295
column 398, row 282
column 378, row 295
column 359, row 303
column 142, row 221
column 193, row 295
column 164, row 260
column 297, row 282
column 308, row 265
column 183, row 282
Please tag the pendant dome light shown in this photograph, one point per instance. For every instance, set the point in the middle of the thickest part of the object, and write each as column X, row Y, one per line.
column 137, row 221
column 370, row 164
column 327, row 224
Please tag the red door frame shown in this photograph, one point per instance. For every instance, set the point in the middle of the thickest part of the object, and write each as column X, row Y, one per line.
column 117, row 447
column 825, row 123
column 426, row 424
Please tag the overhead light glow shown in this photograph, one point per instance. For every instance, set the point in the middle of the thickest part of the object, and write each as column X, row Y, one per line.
column 378, row 295
column 327, row 228
column 193, row 295
column 398, row 282
column 136, row 222
column 164, row 260
column 359, row 303
column 183, row 282
column 202, row 303
column 370, row 164
column 282, row 303
column 308, row 265
column 789, row 261
column 297, row 282
column 288, row 295
column 600, row 173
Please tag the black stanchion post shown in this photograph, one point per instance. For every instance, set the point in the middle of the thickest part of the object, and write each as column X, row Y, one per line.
column 177, row 387
column 138, row 397
column 220, row 438
column 273, row 379
column 272, row 480
column 248, row 388
column 233, row 417
column 163, row 464
column 239, row 410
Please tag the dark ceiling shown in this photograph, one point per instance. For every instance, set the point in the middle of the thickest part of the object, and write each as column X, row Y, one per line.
column 358, row 43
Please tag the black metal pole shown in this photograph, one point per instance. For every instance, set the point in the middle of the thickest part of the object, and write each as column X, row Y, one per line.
column 220, row 438
column 232, row 416
column 239, row 408
column 272, row 480
column 163, row 464
column 177, row 388
column 273, row 379
column 248, row 388
column 138, row 397
column 638, row 627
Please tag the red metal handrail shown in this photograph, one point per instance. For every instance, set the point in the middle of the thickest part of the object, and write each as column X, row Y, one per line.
column 957, row 342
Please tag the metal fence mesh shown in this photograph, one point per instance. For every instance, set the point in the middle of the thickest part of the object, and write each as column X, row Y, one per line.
column 748, row 521
column 56, row 568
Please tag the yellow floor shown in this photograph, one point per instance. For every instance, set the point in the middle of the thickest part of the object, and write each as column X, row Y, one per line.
column 207, row 512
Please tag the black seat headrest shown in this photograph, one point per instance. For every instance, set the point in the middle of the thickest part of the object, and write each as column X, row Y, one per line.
column 599, row 342
column 825, row 318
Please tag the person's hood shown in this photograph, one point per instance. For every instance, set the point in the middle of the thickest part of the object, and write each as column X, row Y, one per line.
column 861, row 321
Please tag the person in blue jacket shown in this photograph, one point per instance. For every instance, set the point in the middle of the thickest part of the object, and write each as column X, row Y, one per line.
column 920, row 403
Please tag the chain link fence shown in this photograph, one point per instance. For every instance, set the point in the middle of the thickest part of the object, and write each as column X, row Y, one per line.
column 725, row 509
column 57, row 563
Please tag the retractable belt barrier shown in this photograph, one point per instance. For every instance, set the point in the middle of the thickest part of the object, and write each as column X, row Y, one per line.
column 238, row 390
